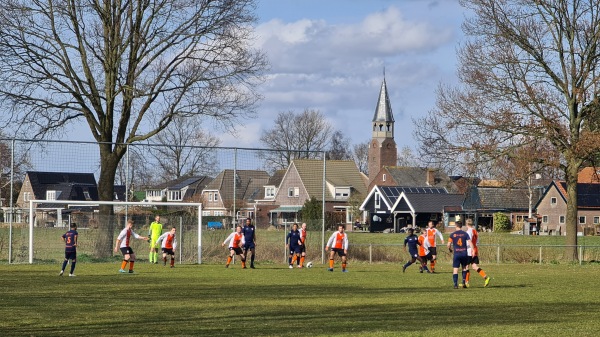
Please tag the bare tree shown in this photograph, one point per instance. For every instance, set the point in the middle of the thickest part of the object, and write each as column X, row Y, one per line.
column 12, row 159
column 126, row 68
column 339, row 148
column 360, row 154
column 529, row 77
column 407, row 158
column 184, row 150
column 296, row 136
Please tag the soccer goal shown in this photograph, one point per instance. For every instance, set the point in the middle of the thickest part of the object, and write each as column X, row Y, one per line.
column 50, row 218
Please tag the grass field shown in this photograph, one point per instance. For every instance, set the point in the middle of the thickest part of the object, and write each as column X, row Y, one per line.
column 272, row 300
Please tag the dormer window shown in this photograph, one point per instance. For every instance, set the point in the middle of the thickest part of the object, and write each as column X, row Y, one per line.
column 51, row 195
column 270, row 192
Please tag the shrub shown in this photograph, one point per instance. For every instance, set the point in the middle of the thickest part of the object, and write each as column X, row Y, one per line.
column 501, row 222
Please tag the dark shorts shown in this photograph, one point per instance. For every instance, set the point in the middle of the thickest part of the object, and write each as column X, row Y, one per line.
column 413, row 254
column 433, row 250
column 426, row 257
column 295, row 249
column 249, row 245
column 460, row 260
column 303, row 249
column 168, row 251
column 474, row 259
column 126, row 250
column 339, row 251
column 70, row 255
column 237, row 250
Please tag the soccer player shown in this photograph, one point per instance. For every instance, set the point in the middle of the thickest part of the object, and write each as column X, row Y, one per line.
column 70, row 240
column 235, row 243
column 122, row 243
column 303, row 246
column 168, row 245
column 460, row 241
column 424, row 253
column 249, row 232
column 339, row 244
column 474, row 255
column 412, row 241
column 154, row 232
column 432, row 235
column 294, row 245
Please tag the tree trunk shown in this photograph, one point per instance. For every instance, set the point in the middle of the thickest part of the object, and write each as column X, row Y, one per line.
column 572, row 215
column 106, row 187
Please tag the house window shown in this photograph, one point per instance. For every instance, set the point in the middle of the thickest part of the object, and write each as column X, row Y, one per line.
column 545, row 219
column 293, row 192
column 26, row 196
column 342, row 193
column 174, row 195
column 205, row 213
column 596, row 220
column 86, row 195
column 216, row 196
column 561, row 219
column 50, row 195
column 553, row 201
column 270, row 192
column 383, row 179
column 377, row 200
column 218, row 213
column 581, row 220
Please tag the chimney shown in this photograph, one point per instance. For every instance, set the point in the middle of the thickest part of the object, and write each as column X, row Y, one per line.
column 430, row 178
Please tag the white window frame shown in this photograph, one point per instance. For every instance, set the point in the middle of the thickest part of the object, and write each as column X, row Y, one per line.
column 596, row 220
column 216, row 196
column 219, row 213
column 544, row 219
column 205, row 213
column 553, row 201
column 377, row 200
column 561, row 219
column 51, row 195
column 26, row 196
column 293, row 192
column 383, row 177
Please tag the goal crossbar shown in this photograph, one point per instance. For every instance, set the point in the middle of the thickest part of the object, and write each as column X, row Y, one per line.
column 118, row 203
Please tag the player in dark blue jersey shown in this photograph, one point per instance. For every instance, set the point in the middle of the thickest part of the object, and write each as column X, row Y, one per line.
column 70, row 239
column 412, row 241
column 249, row 232
column 459, row 241
column 294, row 244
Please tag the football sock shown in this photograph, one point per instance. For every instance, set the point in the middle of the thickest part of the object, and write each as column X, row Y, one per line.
column 294, row 259
column 151, row 256
column 290, row 260
column 244, row 263
column 123, row 264
column 172, row 261
column 464, row 275
column 229, row 260
column 432, row 265
column 468, row 276
column 64, row 265
column 73, row 266
column 481, row 272
column 252, row 259
column 165, row 259
column 407, row 264
column 330, row 263
column 131, row 265
column 455, row 279
column 344, row 265
column 302, row 261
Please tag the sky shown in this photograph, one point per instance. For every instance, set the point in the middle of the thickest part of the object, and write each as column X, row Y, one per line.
column 330, row 55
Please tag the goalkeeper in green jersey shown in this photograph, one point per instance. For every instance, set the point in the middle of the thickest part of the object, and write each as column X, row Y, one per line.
column 154, row 232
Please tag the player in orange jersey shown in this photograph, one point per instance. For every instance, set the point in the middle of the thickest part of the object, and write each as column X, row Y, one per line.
column 123, row 242
column 235, row 241
column 474, row 255
column 432, row 235
column 424, row 253
column 168, row 245
column 303, row 246
column 339, row 244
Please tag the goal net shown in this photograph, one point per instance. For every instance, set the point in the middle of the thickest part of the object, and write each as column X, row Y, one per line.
column 50, row 219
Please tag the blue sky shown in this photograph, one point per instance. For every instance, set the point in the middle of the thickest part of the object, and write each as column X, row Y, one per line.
column 330, row 55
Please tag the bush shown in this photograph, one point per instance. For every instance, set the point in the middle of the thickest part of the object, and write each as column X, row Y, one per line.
column 501, row 222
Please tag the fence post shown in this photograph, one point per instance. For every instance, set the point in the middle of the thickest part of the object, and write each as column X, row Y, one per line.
column 181, row 238
column 580, row 255
column 498, row 255
column 370, row 253
column 540, row 254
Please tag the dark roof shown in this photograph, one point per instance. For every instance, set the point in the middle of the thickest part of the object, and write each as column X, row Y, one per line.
column 68, row 186
column 417, row 177
column 500, row 198
column 428, row 203
column 588, row 194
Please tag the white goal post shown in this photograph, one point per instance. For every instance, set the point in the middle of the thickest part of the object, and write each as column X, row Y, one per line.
column 114, row 203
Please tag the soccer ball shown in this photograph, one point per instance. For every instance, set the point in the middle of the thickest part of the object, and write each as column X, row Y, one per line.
column 309, row 265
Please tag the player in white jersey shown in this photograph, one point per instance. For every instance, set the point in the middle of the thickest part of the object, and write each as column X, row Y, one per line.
column 168, row 245
column 474, row 255
column 123, row 242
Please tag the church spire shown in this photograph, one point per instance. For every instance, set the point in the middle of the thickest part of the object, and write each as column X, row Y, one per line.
column 383, row 120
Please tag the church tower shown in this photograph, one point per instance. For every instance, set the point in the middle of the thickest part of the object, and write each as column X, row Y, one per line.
column 382, row 148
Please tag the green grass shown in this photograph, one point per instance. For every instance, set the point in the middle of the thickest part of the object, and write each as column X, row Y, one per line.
column 370, row 300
